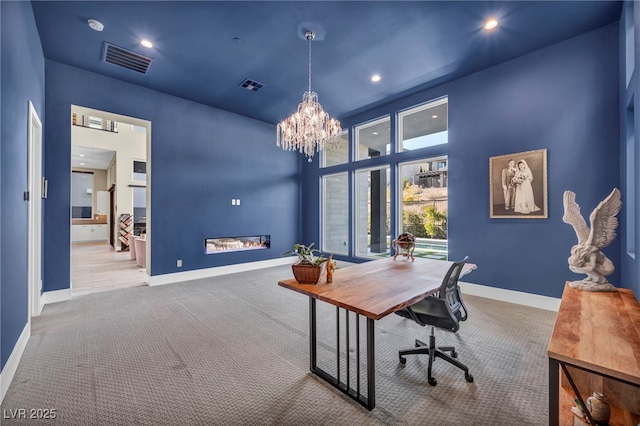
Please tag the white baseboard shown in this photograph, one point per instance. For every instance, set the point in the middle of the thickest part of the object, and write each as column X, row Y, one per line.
column 55, row 296
column 40, row 305
column 6, row 376
column 511, row 296
column 220, row 270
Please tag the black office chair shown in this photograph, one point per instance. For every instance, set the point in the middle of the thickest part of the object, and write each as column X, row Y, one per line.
column 445, row 310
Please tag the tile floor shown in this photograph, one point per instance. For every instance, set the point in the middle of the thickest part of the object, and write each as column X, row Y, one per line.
column 98, row 267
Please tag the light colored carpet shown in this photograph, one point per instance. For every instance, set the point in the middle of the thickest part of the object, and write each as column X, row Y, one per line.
column 234, row 350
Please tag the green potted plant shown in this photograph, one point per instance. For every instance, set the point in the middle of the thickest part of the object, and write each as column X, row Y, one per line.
column 309, row 267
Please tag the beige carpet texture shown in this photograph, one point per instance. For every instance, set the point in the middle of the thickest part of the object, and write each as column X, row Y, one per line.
column 234, row 350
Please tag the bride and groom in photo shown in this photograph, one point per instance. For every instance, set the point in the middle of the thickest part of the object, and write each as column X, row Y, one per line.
column 517, row 189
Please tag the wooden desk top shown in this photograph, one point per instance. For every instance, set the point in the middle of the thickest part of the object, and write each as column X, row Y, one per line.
column 599, row 331
column 377, row 288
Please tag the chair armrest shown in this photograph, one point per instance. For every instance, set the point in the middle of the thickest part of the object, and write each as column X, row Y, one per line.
column 463, row 307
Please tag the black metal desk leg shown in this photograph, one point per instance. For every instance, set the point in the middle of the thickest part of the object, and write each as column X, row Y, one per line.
column 554, row 391
column 370, row 400
column 371, row 367
column 312, row 334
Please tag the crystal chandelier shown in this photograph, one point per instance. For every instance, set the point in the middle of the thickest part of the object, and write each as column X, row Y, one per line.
column 309, row 130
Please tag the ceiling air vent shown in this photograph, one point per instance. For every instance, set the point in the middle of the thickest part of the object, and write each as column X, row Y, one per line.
column 126, row 58
column 254, row 86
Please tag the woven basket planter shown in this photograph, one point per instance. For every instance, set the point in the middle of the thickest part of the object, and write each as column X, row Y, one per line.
column 307, row 274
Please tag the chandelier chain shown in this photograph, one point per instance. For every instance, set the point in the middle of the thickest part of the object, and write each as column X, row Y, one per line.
column 310, row 37
column 309, row 129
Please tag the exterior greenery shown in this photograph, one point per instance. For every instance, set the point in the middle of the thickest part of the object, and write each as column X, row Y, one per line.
column 427, row 222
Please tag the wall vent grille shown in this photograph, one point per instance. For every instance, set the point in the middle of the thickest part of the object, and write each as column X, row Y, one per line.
column 122, row 57
column 252, row 85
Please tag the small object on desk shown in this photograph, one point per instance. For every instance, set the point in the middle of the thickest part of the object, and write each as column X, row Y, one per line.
column 579, row 420
column 598, row 408
column 307, row 274
column 331, row 266
column 309, row 267
column 404, row 246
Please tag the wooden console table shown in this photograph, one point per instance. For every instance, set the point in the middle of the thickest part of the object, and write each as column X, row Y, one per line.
column 596, row 344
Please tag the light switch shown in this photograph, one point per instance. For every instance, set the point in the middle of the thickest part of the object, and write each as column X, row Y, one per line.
column 238, row 202
column 233, row 201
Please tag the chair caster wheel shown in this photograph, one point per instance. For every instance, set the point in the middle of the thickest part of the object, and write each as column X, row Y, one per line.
column 454, row 354
column 403, row 360
column 433, row 382
column 468, row 377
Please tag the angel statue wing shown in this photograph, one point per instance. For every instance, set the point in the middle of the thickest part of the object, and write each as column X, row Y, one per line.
column 573, row 217
column 604, row 221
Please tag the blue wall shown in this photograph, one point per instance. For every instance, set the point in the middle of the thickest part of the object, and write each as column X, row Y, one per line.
column 563, row 98
column 201, row 158
column 630, row 134
column 22, row 81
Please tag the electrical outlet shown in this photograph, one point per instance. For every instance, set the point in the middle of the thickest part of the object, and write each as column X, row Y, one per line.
column 179, row 263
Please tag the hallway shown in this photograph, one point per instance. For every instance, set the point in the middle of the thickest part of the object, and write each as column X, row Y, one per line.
column 97, row 267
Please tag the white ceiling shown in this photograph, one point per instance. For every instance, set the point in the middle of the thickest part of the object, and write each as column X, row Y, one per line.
column 83, row 157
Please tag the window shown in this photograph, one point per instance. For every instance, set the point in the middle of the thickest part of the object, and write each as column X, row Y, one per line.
column 629, row 41
column 364, row 206
column 422, row 204
column 139, row 170
column 335, row 214
column 423, row 126
column 373, row 139
column 372, row 214
column 338, row 155
column 631, row 181
column 81, row 195
column 139, row 210
column 95, row 122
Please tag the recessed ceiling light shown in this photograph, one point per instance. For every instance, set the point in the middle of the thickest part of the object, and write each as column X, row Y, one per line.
column 375, row 133
column 146, row 43
column 82, row 164
column 434, row 116
column 81, row 155
column 376, row 78
column 490, row 24
column 95, row 25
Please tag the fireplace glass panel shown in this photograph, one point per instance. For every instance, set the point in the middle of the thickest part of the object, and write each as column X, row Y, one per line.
column 230, row 244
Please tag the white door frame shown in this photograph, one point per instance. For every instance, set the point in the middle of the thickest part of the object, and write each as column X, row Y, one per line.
column 35, row 183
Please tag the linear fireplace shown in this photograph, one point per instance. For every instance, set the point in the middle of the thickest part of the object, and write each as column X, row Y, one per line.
column 229, row 244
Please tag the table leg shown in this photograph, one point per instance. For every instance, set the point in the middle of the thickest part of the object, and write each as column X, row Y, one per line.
column 370, row 400
column 371, row 367
column 554, row 392
column 313, row 357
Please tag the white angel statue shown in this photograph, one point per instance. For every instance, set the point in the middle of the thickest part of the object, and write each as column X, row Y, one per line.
column 586, row 256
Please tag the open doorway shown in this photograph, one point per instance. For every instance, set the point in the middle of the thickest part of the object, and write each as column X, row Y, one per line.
column 107, row 206
column 37, row 188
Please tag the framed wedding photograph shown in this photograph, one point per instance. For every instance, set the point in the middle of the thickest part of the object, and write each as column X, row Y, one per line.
column 518, row 185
